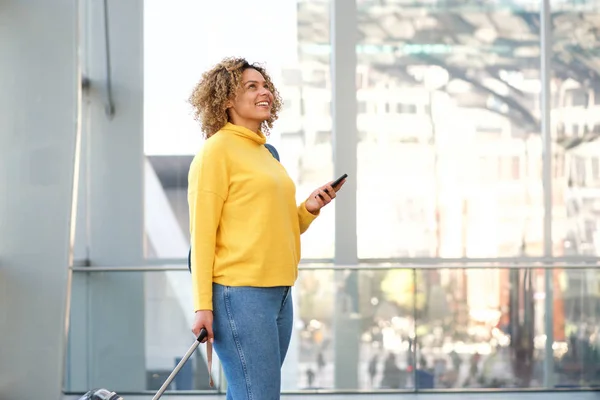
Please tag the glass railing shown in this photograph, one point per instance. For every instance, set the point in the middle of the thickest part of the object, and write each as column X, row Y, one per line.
column 371, row 328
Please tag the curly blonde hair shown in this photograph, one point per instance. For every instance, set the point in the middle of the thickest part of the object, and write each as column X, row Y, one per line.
column 219, row 85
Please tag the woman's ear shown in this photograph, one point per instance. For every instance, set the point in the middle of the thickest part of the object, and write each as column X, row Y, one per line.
column 229, row 108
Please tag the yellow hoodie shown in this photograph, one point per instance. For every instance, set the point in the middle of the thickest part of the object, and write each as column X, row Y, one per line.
column 245, row 225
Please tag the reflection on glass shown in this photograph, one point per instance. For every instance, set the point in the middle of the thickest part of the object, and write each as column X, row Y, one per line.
column 380, row 304
column 577, row 305
column 482, row 328
column 450, row 147
column 397, row 328
column 315, row 299
column 576, row 128
column 455, row 329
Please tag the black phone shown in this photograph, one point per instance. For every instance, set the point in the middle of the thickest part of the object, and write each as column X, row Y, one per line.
column 336, row 182
column 339, row 180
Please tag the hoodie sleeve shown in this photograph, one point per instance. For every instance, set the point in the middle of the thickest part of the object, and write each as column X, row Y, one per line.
column 208, row 185
column 305, row 218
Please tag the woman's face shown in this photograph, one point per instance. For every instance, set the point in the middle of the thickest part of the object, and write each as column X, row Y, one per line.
column 253, row 101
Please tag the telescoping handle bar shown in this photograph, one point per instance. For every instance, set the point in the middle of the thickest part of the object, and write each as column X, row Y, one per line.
column 203, row 334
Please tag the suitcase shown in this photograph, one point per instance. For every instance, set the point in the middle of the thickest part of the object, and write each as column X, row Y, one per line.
column 105, row 394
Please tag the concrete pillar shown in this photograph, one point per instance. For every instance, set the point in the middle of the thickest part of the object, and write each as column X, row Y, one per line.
column 107, row 340
column 39, row 103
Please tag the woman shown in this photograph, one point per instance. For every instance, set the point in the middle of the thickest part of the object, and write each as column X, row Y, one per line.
column 245, row 229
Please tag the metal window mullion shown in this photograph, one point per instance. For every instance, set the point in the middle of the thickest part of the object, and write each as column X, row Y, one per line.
column 545, row 96
column 344, row 129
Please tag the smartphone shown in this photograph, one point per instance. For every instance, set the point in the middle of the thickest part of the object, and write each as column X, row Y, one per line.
column 339, row 180
column 336, row 182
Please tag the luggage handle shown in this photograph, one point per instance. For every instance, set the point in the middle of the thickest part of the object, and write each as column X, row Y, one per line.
column 203, row 335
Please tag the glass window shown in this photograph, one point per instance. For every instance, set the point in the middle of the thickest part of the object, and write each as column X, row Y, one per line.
column 447, row 85
column 425, row 328
column 575, row 79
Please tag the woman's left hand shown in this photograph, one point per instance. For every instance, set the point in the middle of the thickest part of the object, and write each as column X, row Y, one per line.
column 322, row 196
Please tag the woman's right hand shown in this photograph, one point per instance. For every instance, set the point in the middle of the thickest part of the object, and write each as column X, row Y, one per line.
column 203, row 319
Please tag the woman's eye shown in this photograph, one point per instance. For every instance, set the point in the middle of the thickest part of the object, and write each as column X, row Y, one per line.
column 252, row 86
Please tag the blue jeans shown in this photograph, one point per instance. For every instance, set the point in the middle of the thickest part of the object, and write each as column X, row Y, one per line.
column 252, row 328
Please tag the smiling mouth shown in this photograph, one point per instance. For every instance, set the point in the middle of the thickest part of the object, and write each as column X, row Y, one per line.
column 263, row 104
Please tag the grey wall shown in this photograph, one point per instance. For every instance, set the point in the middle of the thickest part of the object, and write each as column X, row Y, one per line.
column 39, row 89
